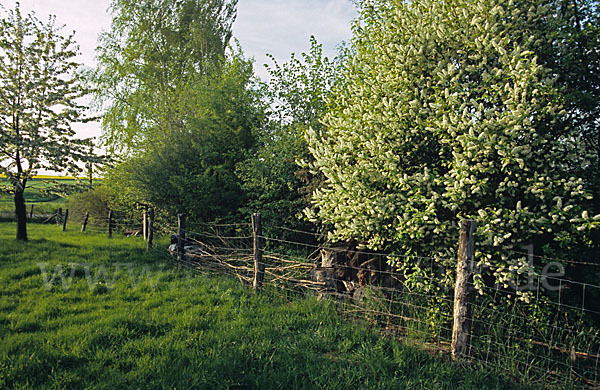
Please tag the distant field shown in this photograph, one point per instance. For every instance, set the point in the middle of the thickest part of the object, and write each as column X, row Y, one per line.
column 132, row 320
column 47, row 177
column 50, row 177
column 34, row 194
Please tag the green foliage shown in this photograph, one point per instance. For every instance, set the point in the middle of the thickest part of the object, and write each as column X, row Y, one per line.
column 448, row 114
column 150, row 61
column 299, row 89
column 298, row 93
column 181, row 102
column 193, row 171
column 270, row 181
column 153, row 326
column 96, row 201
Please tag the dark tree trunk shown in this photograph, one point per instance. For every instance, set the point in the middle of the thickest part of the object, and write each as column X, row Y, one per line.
column 21, row 213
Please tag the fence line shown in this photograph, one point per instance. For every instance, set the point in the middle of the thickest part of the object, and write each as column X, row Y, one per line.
column 543, row 358
column 543, row 335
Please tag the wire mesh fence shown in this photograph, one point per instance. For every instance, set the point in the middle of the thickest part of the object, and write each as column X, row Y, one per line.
column 547, row 335
column 542, row 328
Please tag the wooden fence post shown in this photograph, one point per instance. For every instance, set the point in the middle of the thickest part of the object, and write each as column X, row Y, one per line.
column 59, row 216
column 145, row 224
column 150, row 227
column 31, row 212
column 65, row 220
column 110, row 223
column 181, row 237
column 85, row 221
column 259, row 266
column 463, row 289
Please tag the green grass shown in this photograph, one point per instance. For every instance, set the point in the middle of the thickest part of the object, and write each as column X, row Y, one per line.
column 173, row 329
column 34, row 193
column 44, row 203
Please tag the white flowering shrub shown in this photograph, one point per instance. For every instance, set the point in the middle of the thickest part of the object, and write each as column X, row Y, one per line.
column 447, row 114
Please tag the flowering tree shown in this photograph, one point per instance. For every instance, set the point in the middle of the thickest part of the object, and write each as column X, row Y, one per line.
column 447, row 114
column 39, row 93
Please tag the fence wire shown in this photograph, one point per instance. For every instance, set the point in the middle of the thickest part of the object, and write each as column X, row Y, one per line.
column 541, row 335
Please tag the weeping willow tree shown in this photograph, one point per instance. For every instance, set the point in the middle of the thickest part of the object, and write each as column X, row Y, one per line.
column 178, row 105
column 447, row 113
column 150, row 62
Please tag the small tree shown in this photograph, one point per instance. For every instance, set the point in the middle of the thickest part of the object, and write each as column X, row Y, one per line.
column 39, row 93
column 297, row 93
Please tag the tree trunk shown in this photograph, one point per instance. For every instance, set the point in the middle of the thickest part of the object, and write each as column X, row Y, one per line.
column 21, row 213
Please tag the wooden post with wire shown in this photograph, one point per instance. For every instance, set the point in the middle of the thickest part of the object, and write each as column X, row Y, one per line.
column 59, row 216
column 31, row 212
column 463, row 289
column 145, row 225
column 65, row 220
column 181, row 237
column 150, row 227
column 110, row 223
column 85, row 222
column 259, row 266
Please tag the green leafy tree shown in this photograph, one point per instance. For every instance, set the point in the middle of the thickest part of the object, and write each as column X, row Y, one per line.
column 194, row 171
column 153, row 55
column 40, row 91
column 180, row 101
column 297, row 94
column 300, row 88
column 447, row 113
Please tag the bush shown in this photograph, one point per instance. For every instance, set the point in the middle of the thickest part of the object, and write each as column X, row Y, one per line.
column 95, row 201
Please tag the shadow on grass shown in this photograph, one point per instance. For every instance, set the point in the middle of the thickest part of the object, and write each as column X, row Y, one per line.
column 187, row 330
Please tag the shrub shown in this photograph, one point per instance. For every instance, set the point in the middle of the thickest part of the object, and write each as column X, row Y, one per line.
column 95, row 201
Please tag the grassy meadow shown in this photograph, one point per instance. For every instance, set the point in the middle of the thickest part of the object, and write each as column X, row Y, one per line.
column 36, row 194
column 122, row 317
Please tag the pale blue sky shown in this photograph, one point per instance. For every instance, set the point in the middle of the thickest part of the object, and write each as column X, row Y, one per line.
column 279, row 27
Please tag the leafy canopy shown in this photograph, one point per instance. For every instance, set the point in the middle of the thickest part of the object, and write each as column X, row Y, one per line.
column 297, row 94
column 40, row 95
column 180, row 101
column 193, row 171
column 448, row 114
column 149, row 60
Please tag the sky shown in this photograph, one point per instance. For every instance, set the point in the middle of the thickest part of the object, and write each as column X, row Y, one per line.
column 278, row 27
